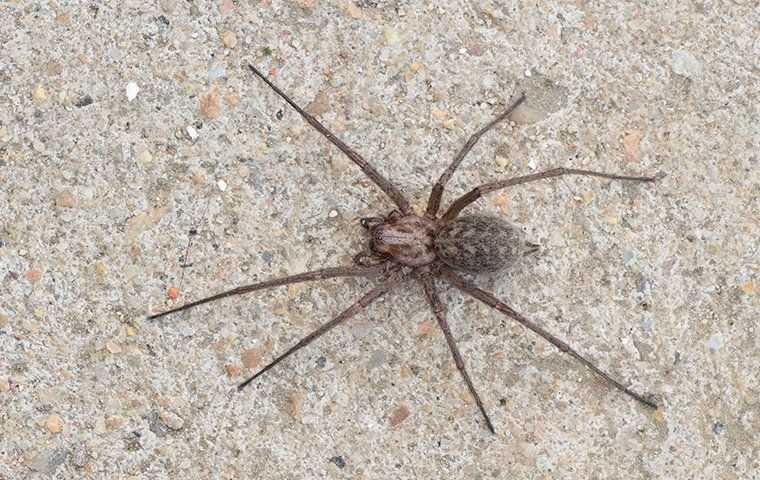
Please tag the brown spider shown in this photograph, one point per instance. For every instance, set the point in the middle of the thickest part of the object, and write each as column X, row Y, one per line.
column 405, row 245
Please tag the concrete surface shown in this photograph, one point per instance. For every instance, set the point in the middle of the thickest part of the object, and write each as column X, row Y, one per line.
column 133, row 141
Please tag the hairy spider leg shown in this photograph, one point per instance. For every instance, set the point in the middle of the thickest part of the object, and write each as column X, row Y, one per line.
column 362, row 303
column 440, row 314
column 386, row 186
column 322, row 274
column 485, row 297
column 477, row 192
column 434, row 201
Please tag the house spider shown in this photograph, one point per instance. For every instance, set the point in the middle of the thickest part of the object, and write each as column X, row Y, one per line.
column 404, row 245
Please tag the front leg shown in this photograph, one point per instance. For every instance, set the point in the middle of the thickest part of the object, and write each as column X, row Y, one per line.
column 481, row 190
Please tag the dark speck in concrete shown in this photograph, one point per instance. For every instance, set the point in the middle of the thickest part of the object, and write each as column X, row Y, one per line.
column 338, row 461
column 84, row 101
column 718, row 428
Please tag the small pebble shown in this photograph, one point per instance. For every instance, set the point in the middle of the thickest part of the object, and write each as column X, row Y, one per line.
column 144, row 156
column 233, row 370
column 748, row 287
column 100, row 269
column 294, row 404
column 377, row 359
column 631, row 142
column 54, row 424
column 216, row 71
column 352, row 10
column 210, row 105
column 167, row 5
column 424, row 328
column 114, row 422
column 226, row 6
column 391, row 35
column 132, row 90
column 39, row 94
column 222, row 185
column 172, row 293
column 229, row 39
column 53, row 68
column 685, row 64
column 172, row 420
column 438, row 114
column 501, row 161
column 399, row 415
column 332, row 213
column 450, row 124
column 65, row 199
column 113, row 346
column 192, row 133
column 33, row 275
column 340, row 163
column 715, row 342
column 232, row 99
column 251, row 358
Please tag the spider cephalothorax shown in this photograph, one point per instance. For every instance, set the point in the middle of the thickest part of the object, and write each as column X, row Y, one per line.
column 404, row 239
column 407, row 246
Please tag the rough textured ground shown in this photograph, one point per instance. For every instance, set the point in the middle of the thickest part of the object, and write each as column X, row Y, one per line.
column 107, row 190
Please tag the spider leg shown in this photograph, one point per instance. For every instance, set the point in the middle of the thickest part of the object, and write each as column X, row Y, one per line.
column 386, row 186
column 435, row 196
column 368, row 258
column 440, row 314
column 369, row 222
column 485, row 297
column 355, row 271
column 363, row 302
column 481, row 190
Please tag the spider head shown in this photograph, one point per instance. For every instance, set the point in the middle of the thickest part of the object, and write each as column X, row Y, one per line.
column 407, row 240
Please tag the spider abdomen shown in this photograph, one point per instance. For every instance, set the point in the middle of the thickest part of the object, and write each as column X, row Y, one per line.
column 480, row 243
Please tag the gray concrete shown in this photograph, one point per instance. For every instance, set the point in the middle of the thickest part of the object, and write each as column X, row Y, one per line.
column 659, row 284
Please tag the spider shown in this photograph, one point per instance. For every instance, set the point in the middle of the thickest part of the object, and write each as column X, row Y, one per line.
column 404, row 245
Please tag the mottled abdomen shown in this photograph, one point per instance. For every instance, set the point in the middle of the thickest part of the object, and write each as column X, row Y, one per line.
column 480, row 243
